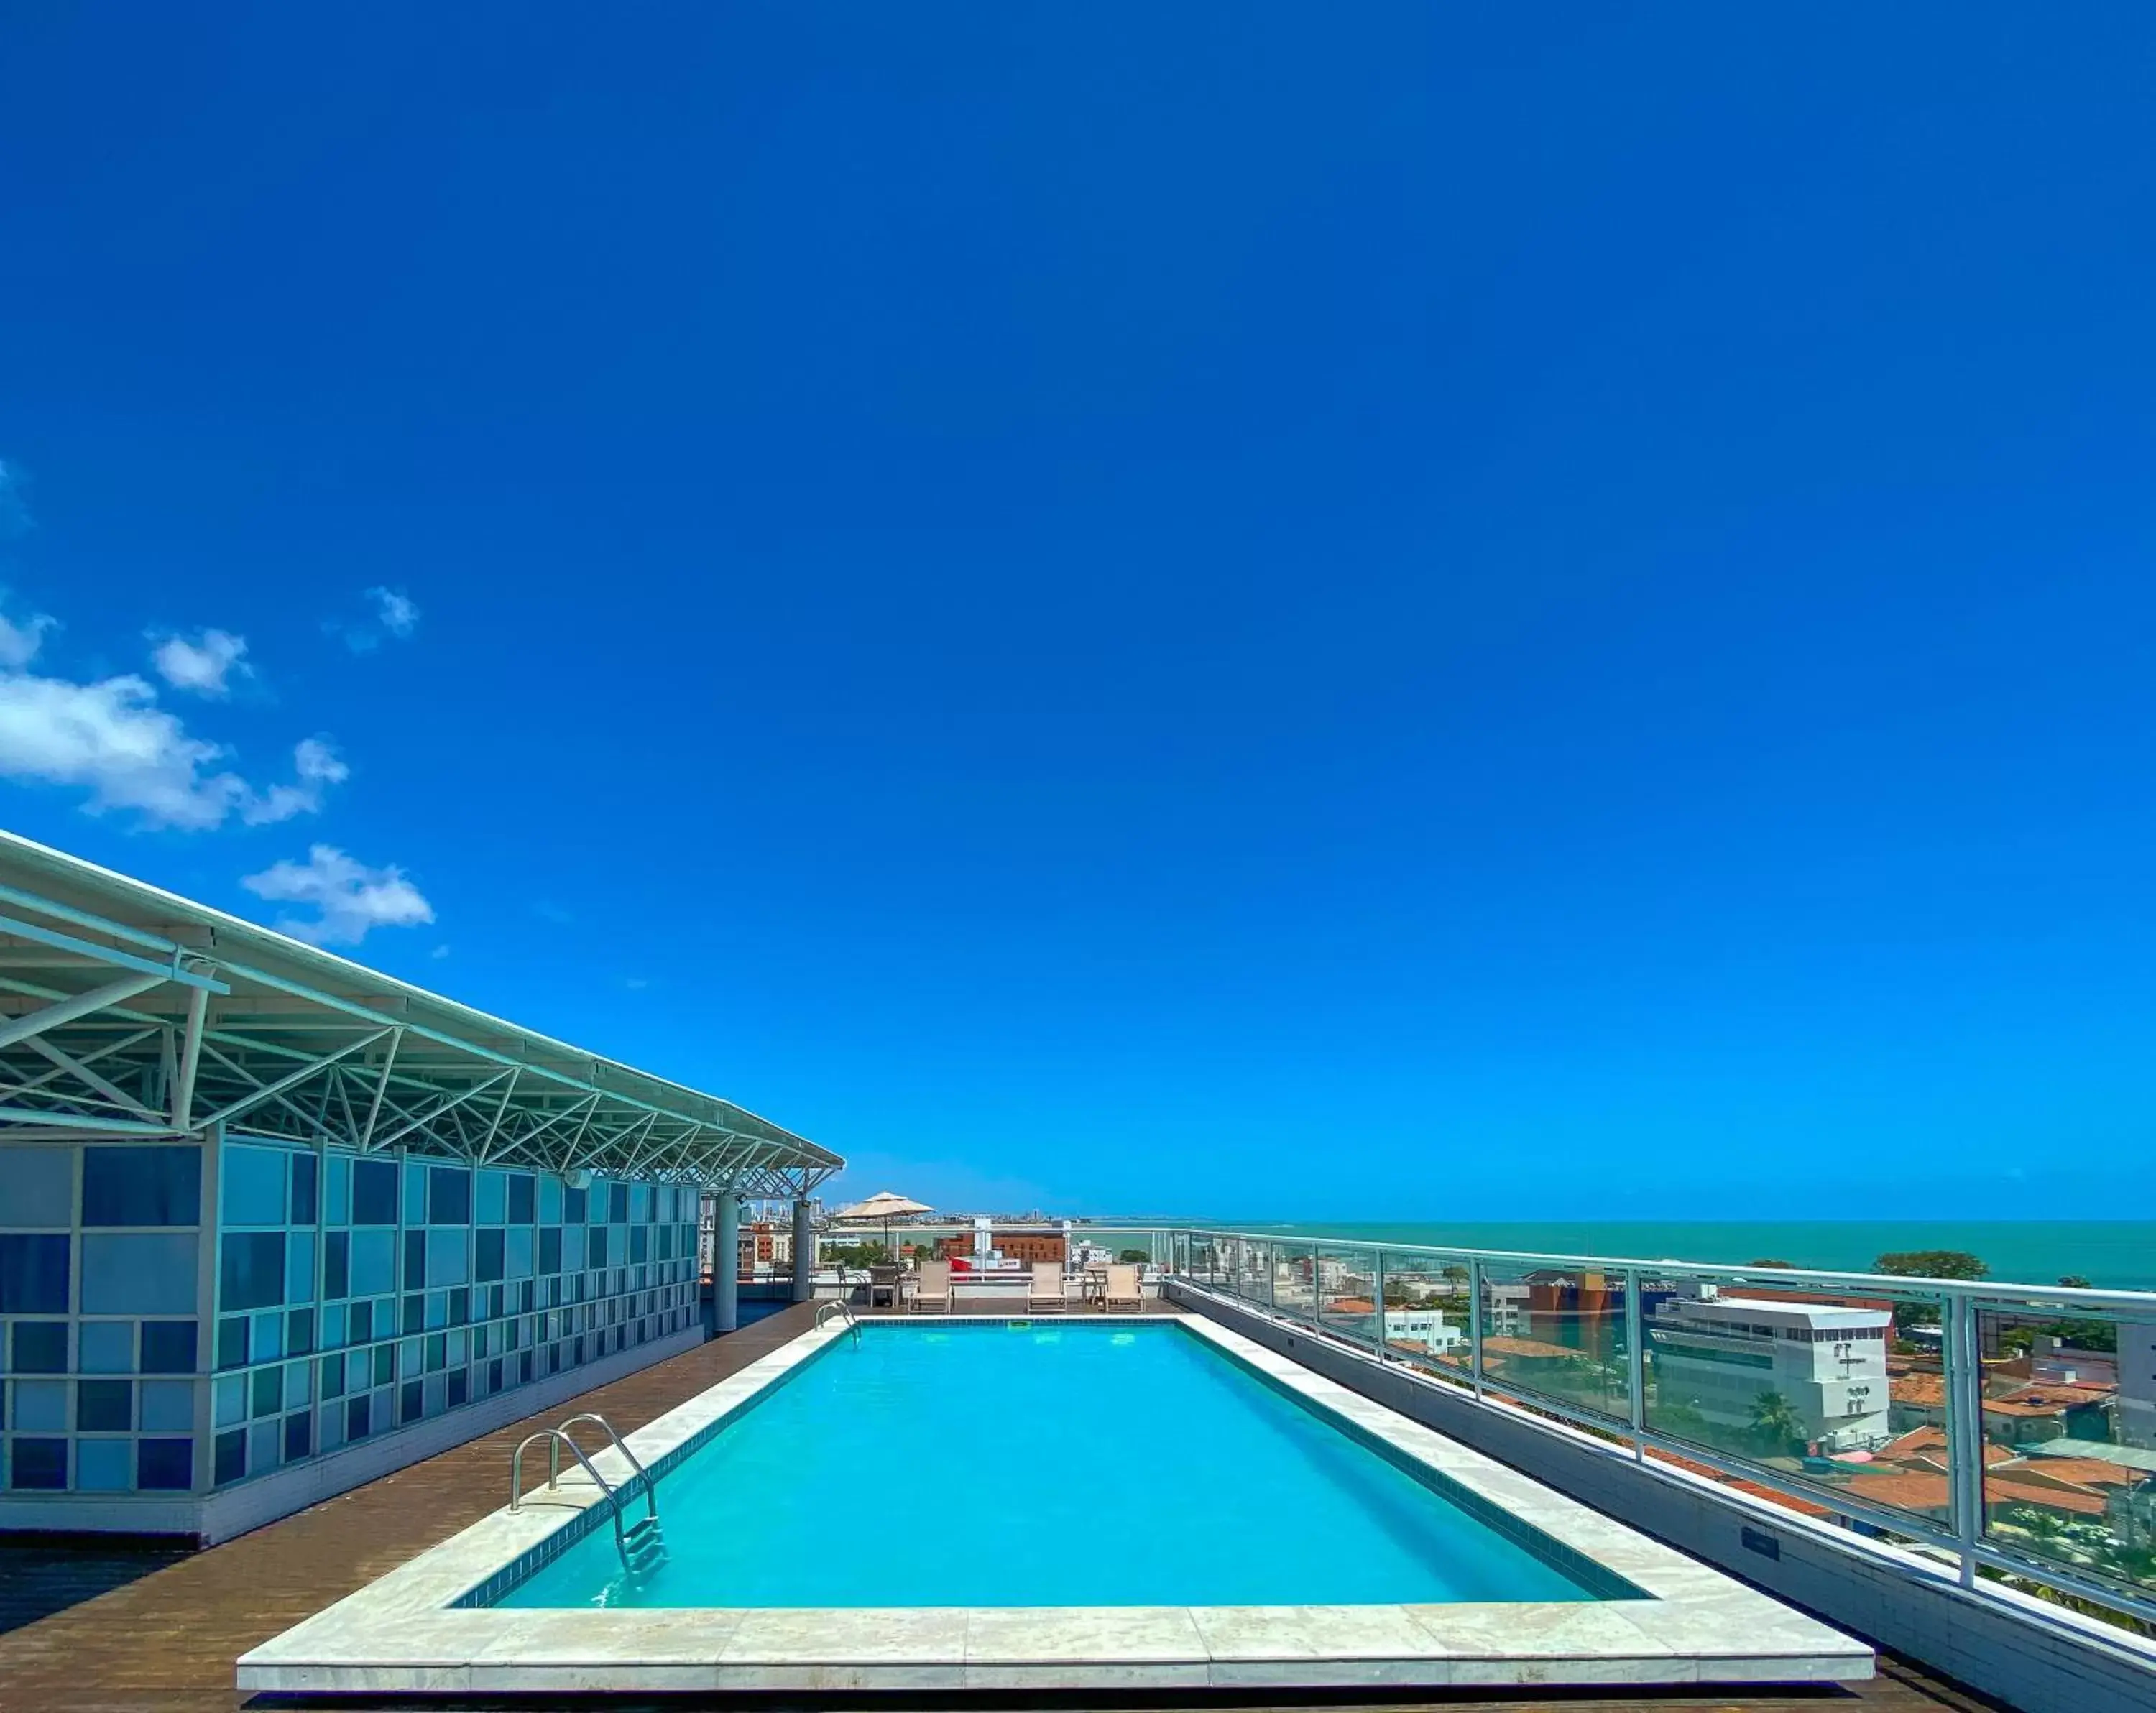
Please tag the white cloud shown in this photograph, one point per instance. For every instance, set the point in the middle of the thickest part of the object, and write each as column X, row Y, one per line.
column 109, row 738
column 317, row 762
column 202, row 665
column 19, row 643
column 396, row 611
column 440, row 952
column 396, row 614
column 347, row 897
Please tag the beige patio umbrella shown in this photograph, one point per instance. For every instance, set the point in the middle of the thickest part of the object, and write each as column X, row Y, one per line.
column 885, row 1208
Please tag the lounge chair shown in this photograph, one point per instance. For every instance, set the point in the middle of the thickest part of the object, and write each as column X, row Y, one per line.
column 1122, row 1294
column 931, row 1291
column 1046, row 1296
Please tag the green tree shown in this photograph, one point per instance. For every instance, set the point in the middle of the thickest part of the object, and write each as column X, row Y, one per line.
column 1930, row 1263
column 1926, row 1264
column 1770, row 1263
column 1775, row 1421
column 1133, row 1255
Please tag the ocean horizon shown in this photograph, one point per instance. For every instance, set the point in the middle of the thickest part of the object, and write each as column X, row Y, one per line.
column 2117, row 1254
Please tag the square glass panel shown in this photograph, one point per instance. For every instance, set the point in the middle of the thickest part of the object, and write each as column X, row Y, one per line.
column 37, row 1187
column 106, row 1348
column 449, row 1195
column 139, row 1273
column 37, row 1463
column 168, row 1406
column 39, row 1347
column 251, row 1191
column 34, row 1275
column 165, row 1464
column 104, row 1405
column 373, row 1193
column 158, row 1185
column 251, row 1273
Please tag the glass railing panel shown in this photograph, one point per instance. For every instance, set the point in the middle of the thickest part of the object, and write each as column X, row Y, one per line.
column 1841, row 1393
column 1294, row 1281
column 1253, row 1269
column 1427, row 1313
column 2069, row 1408
column 1559, row 1334
column 1346, row 1276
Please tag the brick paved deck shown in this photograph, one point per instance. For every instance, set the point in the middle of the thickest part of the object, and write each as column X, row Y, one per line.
column 94, row 1627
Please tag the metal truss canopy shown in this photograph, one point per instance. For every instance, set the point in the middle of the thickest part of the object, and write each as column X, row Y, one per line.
column 126, row 1011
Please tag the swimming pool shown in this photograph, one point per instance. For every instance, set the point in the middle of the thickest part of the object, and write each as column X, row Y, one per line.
column 1047, row 1464
column 1080, row 1505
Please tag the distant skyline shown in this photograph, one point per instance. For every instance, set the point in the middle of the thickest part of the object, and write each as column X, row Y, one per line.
column 1399, row 614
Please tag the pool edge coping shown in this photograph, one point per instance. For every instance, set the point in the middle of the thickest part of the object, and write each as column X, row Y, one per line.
column 409, row 1630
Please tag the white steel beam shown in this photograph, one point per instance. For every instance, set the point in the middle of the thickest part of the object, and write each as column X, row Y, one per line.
column 456, row 1100
column 66, row 1011
column 82, row 1072
column 271, row 1091
column 374, row 1108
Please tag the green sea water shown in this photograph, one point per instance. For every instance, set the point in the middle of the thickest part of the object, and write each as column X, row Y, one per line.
column 2119, row 1254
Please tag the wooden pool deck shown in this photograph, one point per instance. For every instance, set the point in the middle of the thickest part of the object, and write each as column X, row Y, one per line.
column 95, row 1626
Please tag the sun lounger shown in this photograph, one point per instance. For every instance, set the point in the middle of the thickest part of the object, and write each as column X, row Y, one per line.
column 1122, row 1294
column 1046, row 1296
column 931, row 1291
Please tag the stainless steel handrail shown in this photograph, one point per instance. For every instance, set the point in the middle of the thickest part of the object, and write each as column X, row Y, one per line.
column 846, row 1312
column 650, row 1486
column 555, row 1438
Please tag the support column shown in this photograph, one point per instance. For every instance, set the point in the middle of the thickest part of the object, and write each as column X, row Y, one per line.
column 725, row 1261
column 804, row 1253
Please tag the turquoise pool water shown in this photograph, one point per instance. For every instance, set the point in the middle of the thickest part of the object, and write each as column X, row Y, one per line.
column 1044, row 1465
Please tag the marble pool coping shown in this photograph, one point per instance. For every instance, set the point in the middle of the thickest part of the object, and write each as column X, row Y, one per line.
column 423, row 1627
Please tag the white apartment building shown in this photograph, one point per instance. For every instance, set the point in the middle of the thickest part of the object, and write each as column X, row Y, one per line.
column 1720, row 1355
column 1504, row 1310
column 1420, row 1323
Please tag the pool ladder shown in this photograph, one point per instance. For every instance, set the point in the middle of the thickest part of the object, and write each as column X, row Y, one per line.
column 845, row 1310
column 640, row 1544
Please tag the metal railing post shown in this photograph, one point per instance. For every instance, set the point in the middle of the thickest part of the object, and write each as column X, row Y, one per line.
column 1964, row 1390
column 1378, row 1297
column 1474, row 1320
column 1635, row 1364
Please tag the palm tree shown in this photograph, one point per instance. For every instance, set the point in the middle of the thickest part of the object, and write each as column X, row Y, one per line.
column 1775, row 1420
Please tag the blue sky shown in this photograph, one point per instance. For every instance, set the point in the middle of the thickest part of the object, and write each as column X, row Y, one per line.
column 1402, row 612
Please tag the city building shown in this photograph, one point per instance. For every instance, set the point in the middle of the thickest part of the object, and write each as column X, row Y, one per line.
column 1423, row 1324
column 1722, row 1355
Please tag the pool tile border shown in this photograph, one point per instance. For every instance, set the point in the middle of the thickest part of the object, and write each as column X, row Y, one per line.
column 429, row 1626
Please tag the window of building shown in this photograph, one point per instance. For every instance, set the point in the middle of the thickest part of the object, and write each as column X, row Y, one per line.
column 448, row 1195
column 34, row 1275
column 104, row 1405
column 251, row 1273
column 373, row 1193
column 159, row 1185
column 39, row 1347
column 162, row 1465
column 252, row 1192
column 35, row 1464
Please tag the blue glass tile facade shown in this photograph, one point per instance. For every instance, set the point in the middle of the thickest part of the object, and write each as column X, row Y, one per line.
column 152, row 1342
